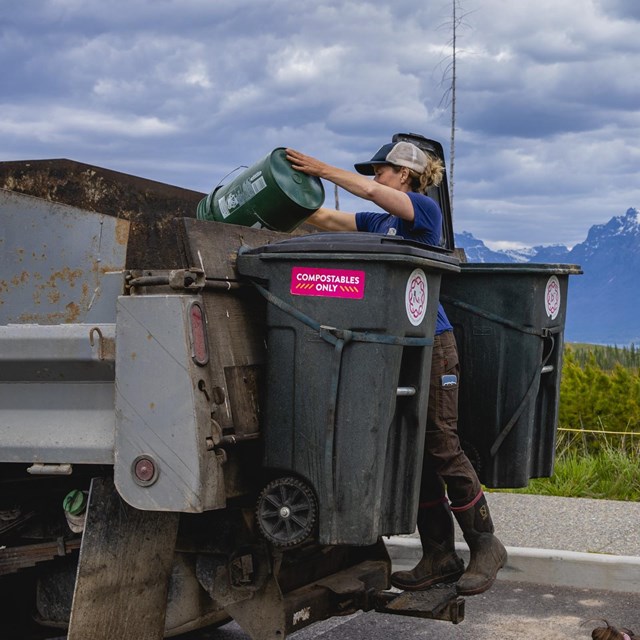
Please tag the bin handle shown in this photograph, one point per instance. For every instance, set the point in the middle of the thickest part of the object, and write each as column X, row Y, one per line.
column 330, row 428
column 333, row 334
column 497, row 443
column 542, row 333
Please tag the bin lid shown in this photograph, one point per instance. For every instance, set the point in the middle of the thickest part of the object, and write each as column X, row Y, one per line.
column 521, row 267
column 356, row 242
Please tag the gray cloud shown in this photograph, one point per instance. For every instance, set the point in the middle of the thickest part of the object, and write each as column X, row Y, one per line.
column 548, row 127
column 624, row 9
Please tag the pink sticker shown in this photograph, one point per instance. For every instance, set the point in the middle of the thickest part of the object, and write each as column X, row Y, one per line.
column 330, row 283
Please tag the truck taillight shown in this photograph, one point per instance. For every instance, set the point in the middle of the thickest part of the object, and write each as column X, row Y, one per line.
column 198, row 330
column 145, row 471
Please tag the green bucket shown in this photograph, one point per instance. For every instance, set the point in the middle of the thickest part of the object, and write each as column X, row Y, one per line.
column 270, row 194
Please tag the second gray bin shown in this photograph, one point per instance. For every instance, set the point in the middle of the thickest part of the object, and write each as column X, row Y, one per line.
column 350, row 325
column 509, row 325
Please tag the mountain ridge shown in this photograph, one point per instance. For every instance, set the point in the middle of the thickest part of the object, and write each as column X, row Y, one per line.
column 603, row 304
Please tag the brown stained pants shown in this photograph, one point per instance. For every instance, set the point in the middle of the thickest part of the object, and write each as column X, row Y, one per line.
column 445, row 466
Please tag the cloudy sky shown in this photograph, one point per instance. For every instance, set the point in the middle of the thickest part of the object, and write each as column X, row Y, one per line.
column 184, row 91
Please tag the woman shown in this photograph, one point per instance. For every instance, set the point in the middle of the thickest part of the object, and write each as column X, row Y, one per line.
column 402, row 174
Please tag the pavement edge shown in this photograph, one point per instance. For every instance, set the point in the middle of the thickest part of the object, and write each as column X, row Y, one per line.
column 541, row 566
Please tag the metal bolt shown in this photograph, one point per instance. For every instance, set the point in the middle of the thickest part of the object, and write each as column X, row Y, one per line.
column 285, row 512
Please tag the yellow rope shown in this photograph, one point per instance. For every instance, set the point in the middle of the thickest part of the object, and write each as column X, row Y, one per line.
column 613, row 433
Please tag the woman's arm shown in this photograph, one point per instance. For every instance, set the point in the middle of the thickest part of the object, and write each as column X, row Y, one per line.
column 333, row 220
column 392, row 200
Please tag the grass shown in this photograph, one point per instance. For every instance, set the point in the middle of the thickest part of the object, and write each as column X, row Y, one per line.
column 611, row 473
column 599, row 459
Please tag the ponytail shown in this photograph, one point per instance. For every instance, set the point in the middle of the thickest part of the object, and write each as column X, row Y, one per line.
column 430, row 177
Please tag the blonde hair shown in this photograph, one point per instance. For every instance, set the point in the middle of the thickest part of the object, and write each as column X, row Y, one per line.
column 430, row 177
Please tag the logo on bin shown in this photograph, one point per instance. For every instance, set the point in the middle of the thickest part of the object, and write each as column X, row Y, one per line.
column 330, row 283
column 416, row 297
column 552, row 297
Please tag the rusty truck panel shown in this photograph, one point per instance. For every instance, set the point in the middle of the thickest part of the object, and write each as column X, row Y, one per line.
column 148, row 206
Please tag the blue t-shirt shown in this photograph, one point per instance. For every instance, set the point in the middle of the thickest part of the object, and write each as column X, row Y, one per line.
column 426, row 227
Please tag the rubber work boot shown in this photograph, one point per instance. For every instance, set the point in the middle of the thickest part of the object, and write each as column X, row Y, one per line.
column 439, row 562
column 488, row 554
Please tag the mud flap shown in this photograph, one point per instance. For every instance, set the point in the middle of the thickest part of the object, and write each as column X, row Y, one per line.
column 123, row 570
column 262, row 617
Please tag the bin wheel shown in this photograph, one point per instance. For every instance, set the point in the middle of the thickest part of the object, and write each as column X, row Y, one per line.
column 286, row 512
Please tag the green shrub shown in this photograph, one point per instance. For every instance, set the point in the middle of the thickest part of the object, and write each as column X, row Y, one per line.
column 600, row 407
column 598, row 444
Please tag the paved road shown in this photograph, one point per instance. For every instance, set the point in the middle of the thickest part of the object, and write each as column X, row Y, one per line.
column 517, row 610
column 509, row 611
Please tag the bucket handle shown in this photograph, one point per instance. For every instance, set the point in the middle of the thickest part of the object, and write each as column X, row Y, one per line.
column 242, row 166
column 212, row 192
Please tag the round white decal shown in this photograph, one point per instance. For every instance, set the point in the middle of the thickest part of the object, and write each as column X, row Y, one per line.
column 552, row 297
column 416, row 297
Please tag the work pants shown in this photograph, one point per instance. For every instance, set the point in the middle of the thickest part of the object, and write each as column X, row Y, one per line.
column 446, row 466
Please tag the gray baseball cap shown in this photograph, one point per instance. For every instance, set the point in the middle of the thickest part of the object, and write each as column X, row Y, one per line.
column 400, row 154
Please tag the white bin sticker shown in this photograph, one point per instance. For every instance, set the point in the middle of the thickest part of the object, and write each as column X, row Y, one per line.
column 416, row 297
column 552, row 297
column 224, row 209
column 258, row 183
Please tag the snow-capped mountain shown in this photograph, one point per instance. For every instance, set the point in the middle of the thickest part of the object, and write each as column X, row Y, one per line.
column 604, row 302
column 477, row 251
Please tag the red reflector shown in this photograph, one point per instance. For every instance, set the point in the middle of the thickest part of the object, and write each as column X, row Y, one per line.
column 199, row 349
column 144, row 469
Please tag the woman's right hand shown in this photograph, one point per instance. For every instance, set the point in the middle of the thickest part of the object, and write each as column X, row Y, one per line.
column 307, row 164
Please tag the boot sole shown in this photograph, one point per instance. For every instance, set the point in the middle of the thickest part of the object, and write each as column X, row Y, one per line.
column 474, row 592
column 425, row 584
column 486, row 586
